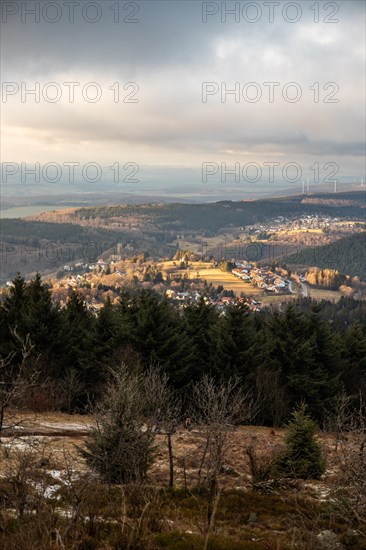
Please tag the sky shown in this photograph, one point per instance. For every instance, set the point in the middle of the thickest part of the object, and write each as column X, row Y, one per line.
column 149, row 81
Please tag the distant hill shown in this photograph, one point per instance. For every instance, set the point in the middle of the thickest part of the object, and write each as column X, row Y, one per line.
column 30, row 246
column 347, row 255
column 49, row 240
column 211, row 217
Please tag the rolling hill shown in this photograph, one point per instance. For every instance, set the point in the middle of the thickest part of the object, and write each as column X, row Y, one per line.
column 47, row 241
column 347, row 255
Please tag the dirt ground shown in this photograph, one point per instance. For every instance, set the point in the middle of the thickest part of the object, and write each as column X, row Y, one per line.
column 62, row 434
column 290, row 518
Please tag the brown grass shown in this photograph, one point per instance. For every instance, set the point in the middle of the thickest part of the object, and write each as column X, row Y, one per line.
column 289, row 518
column 324, row 294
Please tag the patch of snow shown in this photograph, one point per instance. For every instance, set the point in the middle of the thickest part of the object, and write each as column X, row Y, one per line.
column 77, row 426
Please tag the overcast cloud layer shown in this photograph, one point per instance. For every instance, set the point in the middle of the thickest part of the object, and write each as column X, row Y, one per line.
column 169, row 53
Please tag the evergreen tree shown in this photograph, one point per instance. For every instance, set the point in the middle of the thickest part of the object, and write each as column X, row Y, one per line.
column 303, row 456
column 43, row 322
column 105, row 337
column 202, row 323
column 79, row 322
column 303, row 349
column 240, row 335
column 153, row 328
column 12, row 317
column 353, row 346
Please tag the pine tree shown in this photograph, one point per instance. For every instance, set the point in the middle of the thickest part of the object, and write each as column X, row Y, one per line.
column 239, row 331
column 43, row 321
column 303, row 457
column 203, row 328
column 154, row 329
column 106, row 337
column 353, row 346
column 79, row 323
column 12, row 317
column 302, row 347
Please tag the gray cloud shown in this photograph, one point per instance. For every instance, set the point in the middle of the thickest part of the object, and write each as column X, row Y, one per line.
column 170, row 52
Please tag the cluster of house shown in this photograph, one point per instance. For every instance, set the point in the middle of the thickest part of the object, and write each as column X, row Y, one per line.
column 302, row 223
column 194, row 296
column 101, row 264
column 261, row 277
column 77, row 280
column 80, row 265
column 220, row 303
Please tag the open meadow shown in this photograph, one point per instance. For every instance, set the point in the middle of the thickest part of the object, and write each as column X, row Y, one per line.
column 324, row 294
column 206, row 272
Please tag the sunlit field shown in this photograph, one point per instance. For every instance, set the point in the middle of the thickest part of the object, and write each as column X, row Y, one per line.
column 324, row 294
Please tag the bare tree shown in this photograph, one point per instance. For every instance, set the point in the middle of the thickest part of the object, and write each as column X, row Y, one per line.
column 219, row 407
column 15, row 378
column 350, row 489
column 164, row 409
column 70, row 387
column 340, row 420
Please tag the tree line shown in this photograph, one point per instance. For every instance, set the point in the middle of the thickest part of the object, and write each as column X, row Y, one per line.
column 300, row 352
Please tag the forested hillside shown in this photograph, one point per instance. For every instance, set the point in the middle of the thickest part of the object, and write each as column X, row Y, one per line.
column 15, row 230
column 347, row 255
column 214, row 216
column 44, row 246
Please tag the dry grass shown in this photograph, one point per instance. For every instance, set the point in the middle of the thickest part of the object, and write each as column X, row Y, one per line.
column 277, row 298
column 229, row 282
column 63, row 433
column 215, row 276
column 324, row 294
column 157, row 517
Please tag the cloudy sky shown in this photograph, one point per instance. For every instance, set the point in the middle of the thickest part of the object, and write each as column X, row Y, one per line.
column 167, row 51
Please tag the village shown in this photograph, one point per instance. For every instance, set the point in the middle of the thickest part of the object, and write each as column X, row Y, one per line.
column 182, row 282
column 305, row 223
column 222, row 273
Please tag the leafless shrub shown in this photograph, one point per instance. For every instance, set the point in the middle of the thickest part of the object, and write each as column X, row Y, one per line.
column 25, row 478
column 350, row 489
column 262, row 469
column 340, row 420
column 16, row 377
column 163, row 409
column 219, row 408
